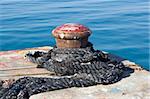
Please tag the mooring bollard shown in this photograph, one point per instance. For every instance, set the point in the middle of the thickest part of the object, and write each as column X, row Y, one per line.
column 74, row 61
column 71, row 35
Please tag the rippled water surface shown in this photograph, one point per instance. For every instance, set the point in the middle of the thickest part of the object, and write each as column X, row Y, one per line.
column 119, row 26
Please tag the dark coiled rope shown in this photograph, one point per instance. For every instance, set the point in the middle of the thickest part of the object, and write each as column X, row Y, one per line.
column 74, row 67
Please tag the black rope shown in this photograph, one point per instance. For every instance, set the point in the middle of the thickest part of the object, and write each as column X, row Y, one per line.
column 74, row 67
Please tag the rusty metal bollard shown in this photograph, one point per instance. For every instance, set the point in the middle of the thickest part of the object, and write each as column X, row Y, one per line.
column 71, row 35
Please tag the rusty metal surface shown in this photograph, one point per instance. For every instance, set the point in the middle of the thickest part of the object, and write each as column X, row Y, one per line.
column 71, row 35
column 71, row 30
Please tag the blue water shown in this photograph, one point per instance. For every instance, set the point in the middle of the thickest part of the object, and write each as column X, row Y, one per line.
column 119, row 26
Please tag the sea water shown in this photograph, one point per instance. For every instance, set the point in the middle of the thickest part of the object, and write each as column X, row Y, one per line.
column 120, row 27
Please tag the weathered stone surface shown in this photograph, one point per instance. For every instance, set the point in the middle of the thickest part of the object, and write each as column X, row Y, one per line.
column 14, row 65
column 136, row 86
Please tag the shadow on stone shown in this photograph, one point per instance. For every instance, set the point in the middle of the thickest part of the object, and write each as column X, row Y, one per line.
column 127, row 70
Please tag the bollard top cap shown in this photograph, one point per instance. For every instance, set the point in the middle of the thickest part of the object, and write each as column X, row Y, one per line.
column 71, row 31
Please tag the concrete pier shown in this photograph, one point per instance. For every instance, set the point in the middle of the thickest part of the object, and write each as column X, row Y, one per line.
column 13, row 65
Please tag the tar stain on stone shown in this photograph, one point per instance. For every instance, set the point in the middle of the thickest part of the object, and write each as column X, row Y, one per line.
column 74, row 67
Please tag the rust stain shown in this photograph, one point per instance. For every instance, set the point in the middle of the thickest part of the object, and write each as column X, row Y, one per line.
column 2, row 65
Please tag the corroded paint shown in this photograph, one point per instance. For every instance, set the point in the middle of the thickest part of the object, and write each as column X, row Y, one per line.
column 71, row 35
column 71, row 28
